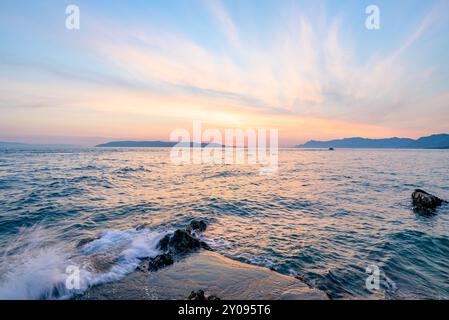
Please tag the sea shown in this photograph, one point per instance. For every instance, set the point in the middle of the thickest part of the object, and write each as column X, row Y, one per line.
column 341, row 221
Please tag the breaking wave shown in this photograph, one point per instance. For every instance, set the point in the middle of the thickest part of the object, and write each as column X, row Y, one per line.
column 35, row 265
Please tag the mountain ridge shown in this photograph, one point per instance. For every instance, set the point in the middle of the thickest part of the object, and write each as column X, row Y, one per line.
column 435, row 141
column 151, row 144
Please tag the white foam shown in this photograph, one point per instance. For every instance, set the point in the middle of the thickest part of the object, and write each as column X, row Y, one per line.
column 33, row 266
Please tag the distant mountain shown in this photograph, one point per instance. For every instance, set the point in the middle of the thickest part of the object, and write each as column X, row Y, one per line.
column 150, row 144
column 437, row 141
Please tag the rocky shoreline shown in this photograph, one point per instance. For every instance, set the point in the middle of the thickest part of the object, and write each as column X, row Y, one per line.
column 187, row 269
column 216, row 276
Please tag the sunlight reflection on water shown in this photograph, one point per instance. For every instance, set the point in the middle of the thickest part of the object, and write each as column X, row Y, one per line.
column 324, row 217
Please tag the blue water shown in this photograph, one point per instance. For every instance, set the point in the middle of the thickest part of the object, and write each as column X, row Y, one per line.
column 324, row 218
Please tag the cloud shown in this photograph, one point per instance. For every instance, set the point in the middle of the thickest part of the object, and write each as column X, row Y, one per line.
column 307, row 74
column 224, row 21
column 302, row 73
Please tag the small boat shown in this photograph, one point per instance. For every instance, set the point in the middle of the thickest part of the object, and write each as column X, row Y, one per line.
column 331, row 149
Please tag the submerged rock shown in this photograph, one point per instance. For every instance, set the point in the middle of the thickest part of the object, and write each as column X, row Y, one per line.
column 85, row 241
column 102, row 263
column 423, row 200
column 199, row 295
column 141, row 227
column 197, row 226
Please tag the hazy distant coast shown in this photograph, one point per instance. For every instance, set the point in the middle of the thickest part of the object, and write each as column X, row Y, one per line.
column 436, row 141
column 151, row 144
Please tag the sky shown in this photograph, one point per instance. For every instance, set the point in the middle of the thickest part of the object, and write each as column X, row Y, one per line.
column 141, row 69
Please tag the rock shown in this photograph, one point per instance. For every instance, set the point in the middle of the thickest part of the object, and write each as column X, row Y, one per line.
column 141, row 227
column 164, row 242
column 205, row 246
column 183, row 242
column 102, row 263
column 85, row 241
column 143, row 266
column 179, row 242
column 199, row 295
column 197, row 226
column 156, row 263
column 214, row 274
column 423, row 200
column 160, row 261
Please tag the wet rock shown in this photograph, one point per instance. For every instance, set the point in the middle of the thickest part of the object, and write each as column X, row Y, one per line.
column 183, row 242
column 85, row 241
column 102, row 263
column 159, row 262
column 156, row 263
column 164, row 242
column 199, row 295
column 205, row 246
column 197, row 226
column 143, row 266
column 141, row 227
column 423, row 200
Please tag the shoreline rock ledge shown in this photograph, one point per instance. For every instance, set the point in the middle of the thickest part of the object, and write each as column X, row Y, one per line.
column 209, row 272
column 183, row 267
column 425, row 201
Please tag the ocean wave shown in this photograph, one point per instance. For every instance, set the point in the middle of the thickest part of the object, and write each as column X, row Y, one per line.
column 35, row 265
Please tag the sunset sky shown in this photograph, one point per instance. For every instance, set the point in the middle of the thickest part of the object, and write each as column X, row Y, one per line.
column 140, row 69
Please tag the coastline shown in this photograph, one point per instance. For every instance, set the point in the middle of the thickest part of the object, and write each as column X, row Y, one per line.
column 209, row 271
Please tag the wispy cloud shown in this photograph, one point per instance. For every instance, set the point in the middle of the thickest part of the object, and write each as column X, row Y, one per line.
column 307, row 74
column 224, row 21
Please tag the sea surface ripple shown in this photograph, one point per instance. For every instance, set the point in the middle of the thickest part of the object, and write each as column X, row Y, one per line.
column 324, row 217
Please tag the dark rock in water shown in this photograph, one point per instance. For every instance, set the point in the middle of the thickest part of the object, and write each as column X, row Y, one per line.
column 181, row 242
column 156, row 263
column 159, row 262
column 85, row 241
column 143, row 266
column 164, row 242
column 197, row 226
column 199, row 295
column 141, row 227
column 205, row 246
column 423, row 200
